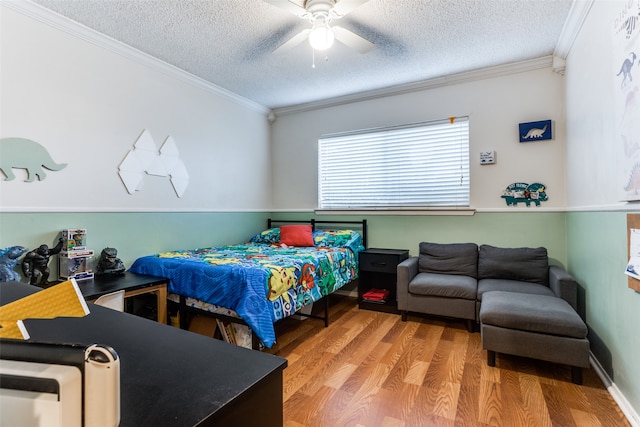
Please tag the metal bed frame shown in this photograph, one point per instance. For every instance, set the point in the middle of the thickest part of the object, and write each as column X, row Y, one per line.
column 184, row 310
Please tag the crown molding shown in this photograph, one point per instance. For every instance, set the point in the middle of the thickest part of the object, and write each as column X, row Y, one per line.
column 577, row 15
column 453, row 79
column 62, row 23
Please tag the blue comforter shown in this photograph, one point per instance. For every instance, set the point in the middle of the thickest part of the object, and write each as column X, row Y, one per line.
column 261, row 282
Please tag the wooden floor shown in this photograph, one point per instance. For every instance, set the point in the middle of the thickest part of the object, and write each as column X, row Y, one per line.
column 371, row 369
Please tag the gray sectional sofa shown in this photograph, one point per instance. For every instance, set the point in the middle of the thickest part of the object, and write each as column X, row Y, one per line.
column 524, row 306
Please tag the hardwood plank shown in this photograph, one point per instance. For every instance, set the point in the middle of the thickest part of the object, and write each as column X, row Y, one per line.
column 366, row 368
column 401, row 367
column 392, row 407
column 490, row 403
column 358, row 406
column 371, row 369
column 310, row 409
column 417, row 372
column 382, row 407
column 430, row 341
column 446, row 400
column 475, row 361
column 340, row 375
column 336, row 406
column 559, row 408
column 298, row 374
column 391, row 422
column 467, row 412
column 585, row 419
column 447, row 363
column 533, row 402
column 511, row 394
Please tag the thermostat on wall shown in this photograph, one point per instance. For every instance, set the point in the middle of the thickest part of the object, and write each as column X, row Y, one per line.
column 487, row 157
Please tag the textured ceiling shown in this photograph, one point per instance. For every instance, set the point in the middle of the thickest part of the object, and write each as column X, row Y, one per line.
column 230, row 42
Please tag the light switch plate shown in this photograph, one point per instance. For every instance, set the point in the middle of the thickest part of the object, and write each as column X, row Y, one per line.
column 487, row 157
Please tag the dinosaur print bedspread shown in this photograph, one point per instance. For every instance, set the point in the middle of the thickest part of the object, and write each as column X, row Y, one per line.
column 261, row 282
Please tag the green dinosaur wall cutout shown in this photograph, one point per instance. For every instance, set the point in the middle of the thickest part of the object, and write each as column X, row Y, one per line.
column 22, row 153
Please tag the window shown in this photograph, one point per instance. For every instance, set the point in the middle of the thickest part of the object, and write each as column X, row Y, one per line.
column 419, row 165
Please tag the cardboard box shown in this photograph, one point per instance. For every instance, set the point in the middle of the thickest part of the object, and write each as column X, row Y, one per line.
column 77, row 265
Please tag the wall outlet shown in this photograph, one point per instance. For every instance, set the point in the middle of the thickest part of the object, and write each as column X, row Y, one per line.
column 487, row 157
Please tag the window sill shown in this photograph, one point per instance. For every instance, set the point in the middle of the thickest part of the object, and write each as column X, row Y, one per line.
column 399, row 211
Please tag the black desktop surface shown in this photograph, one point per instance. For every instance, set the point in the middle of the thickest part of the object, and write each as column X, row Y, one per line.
column 171, row 377
column 101, row 285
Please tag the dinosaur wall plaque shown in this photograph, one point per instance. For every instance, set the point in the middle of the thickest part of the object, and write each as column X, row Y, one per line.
column 535, row 131
column 526, row 193
column 22, row 153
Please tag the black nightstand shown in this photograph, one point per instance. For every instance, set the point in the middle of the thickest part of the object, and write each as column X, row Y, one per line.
column 378, row 269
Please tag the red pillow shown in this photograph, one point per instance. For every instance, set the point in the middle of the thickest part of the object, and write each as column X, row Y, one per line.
column 296, row 235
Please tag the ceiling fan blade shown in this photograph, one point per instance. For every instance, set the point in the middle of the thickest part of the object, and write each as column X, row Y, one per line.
column 342, row 7
column 352, row 40
column 288, row 5
column 293, row 41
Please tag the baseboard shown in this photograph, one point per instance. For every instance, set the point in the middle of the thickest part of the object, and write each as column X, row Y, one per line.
column 623, row 403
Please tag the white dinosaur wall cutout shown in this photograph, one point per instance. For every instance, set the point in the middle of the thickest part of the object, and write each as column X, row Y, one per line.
column 535, row 133
column 145, row 158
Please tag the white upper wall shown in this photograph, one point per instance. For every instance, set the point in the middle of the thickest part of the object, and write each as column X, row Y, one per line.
column 87, row 105
column 495, row 106
column 595, row 166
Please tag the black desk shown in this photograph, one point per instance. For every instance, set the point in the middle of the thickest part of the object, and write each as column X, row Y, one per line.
column 132, row 284
column 171, row 377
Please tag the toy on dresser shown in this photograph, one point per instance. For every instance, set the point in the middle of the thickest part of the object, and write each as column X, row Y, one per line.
column 109, row 263
column 75, row 260
column 8, row 260
column 35, row 264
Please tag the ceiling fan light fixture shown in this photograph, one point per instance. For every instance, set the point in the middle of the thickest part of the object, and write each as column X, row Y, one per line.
column 321, row 37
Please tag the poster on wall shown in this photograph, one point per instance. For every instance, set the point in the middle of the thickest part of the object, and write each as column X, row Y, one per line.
column 633, row 266
column 626, row 80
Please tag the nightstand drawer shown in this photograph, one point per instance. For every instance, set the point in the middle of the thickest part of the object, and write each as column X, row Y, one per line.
column 383, row 263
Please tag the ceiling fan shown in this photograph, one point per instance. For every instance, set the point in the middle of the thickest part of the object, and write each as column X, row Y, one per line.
column 320, row 14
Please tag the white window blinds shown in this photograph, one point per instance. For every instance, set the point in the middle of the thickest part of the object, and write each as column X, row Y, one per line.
column 418, row 165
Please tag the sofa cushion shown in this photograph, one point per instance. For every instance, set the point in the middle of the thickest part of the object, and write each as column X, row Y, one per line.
column 449, row 258
column 535, row 313
column 523, row 264
column 444, row 285
column 490, row 285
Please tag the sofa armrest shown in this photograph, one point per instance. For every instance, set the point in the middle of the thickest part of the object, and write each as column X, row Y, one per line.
column 407, row 270
column 563, row 285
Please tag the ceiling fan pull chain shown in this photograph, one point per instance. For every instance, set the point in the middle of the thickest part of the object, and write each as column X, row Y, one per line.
column 313, row 56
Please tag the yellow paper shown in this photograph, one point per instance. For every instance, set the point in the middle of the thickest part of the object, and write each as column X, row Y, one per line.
column 61, row 300
column 13, row 329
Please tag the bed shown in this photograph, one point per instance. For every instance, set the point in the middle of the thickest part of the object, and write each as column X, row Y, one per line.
column 278, row 273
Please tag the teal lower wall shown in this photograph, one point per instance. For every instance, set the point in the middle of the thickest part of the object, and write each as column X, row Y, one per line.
column 597, row 248
column 141, row 233
column 510, row 229
column 133, row 234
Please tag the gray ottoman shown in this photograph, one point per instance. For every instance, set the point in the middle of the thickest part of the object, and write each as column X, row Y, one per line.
column 537, row 326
